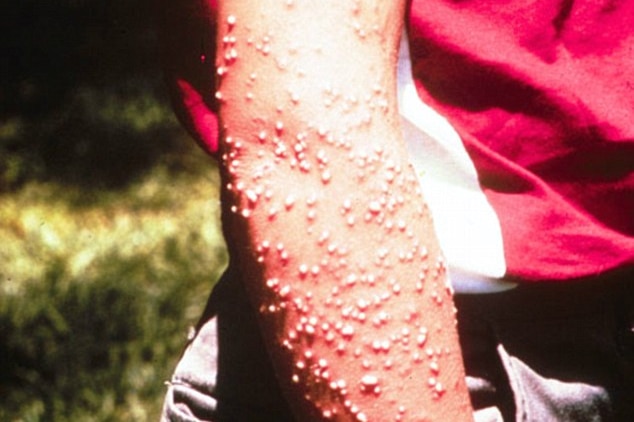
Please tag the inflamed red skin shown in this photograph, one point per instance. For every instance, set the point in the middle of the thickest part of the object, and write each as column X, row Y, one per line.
column 323, row 214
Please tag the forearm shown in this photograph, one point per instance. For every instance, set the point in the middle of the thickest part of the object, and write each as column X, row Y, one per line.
column 324, row 215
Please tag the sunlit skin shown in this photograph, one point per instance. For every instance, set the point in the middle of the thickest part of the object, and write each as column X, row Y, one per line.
column 323, row 215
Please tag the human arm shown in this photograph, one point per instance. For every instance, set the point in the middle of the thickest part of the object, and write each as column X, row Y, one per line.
column 323, row 214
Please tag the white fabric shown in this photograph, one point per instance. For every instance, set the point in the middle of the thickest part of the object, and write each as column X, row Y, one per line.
column 467, row 227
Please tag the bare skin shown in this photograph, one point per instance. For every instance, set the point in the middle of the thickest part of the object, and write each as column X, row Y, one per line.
column 323, row 214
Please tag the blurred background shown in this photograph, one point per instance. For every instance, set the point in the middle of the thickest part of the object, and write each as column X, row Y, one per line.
column 109, row 234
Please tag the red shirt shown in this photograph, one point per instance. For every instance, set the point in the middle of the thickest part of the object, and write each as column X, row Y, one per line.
column 542, row 94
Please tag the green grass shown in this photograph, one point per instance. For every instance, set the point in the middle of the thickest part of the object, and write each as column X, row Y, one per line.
column 109, row 232
column 95, row 301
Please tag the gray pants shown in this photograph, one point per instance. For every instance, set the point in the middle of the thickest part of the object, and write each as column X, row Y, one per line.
column 543, row 352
